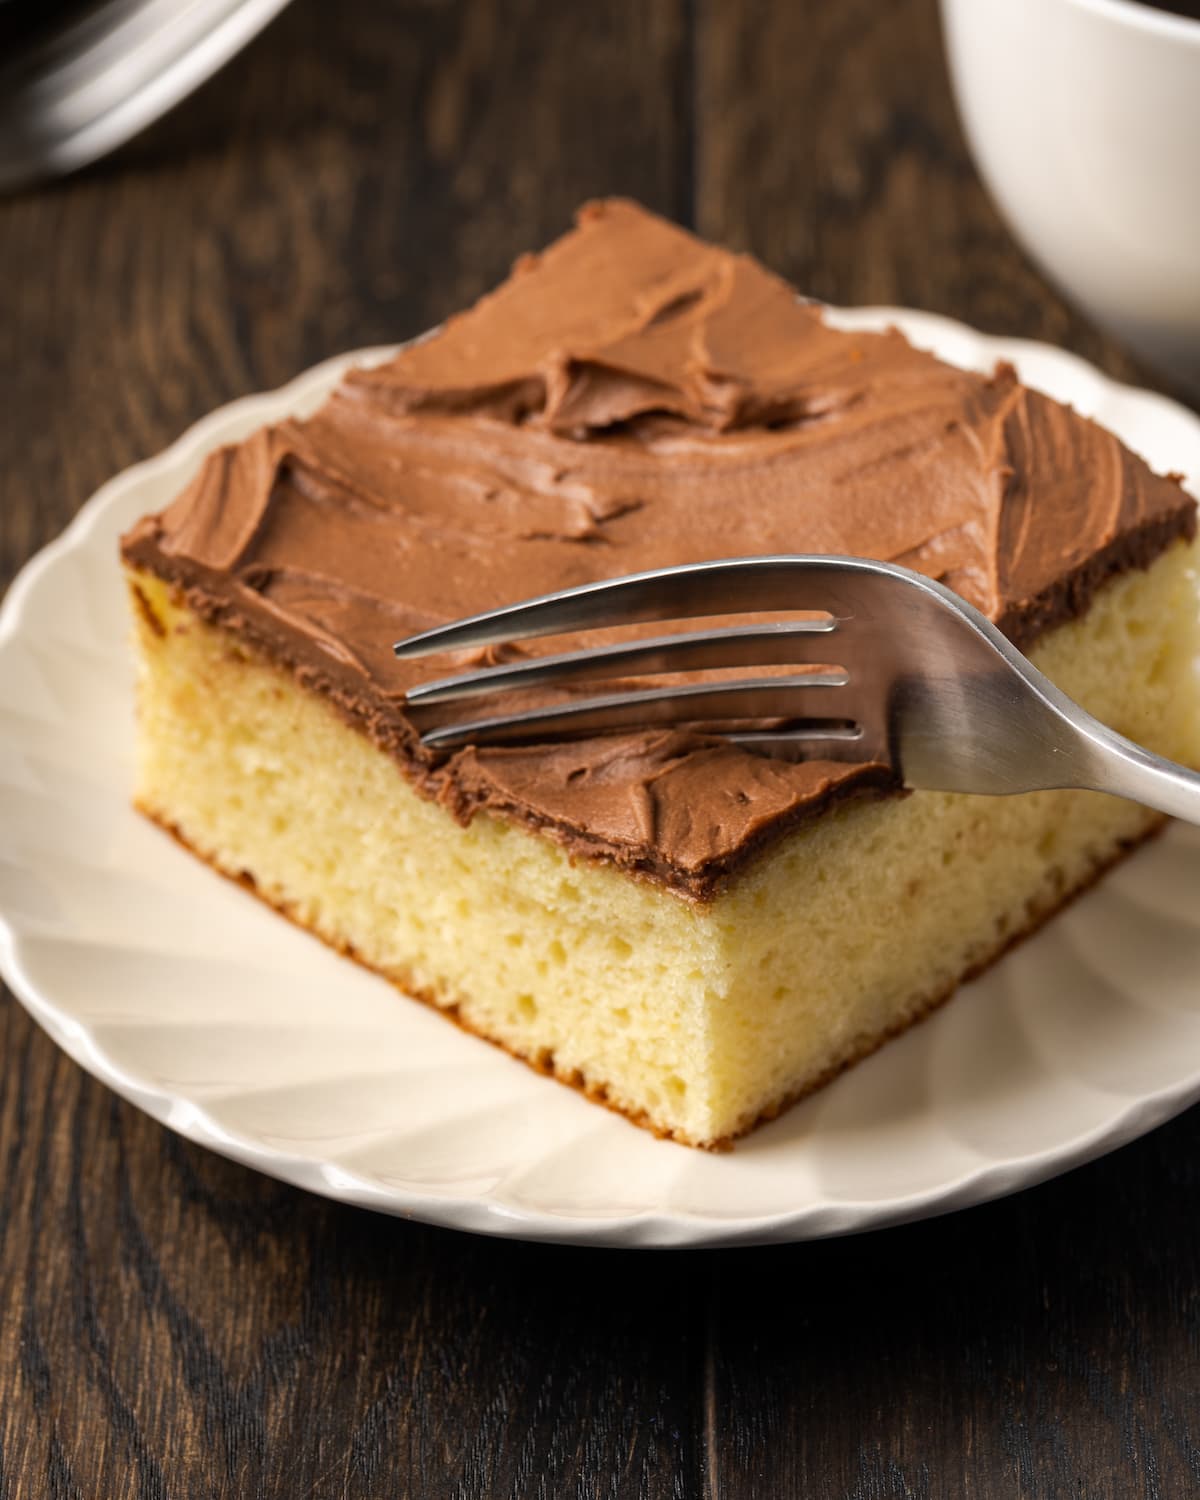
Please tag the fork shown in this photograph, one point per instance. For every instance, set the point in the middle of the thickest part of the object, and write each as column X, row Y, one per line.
column 901, row 670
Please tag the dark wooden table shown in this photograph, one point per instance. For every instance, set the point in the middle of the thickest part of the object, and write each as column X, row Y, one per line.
column 173, row 1325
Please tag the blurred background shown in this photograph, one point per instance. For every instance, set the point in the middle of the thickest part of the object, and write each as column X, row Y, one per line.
column 171, row 1324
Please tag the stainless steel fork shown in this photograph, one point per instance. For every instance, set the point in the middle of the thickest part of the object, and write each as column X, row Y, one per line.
column 900, row 670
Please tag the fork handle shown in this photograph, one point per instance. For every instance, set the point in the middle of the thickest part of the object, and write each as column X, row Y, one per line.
column 1111, row 763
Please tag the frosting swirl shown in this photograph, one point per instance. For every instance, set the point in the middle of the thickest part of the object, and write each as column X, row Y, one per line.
column 633, row 398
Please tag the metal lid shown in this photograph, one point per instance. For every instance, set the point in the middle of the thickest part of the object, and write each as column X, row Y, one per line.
column 80, row 80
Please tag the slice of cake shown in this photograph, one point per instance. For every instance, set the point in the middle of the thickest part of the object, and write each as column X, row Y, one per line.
column 690, row 932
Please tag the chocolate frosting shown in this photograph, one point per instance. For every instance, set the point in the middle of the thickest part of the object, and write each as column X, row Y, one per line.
column 628, row 399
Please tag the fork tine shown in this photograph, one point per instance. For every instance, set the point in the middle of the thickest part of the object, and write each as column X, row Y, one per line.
column 731, row 586
column 814, row 695
column 833, row 741
column 735, row 646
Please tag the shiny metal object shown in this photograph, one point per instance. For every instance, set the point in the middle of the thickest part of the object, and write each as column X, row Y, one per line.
column 83, row 88
column 905, row 672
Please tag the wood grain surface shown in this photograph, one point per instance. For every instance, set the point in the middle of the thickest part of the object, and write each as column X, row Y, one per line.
column 174, row 1325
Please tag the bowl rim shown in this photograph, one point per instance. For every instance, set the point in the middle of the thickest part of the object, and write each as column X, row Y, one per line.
column 1143, row 16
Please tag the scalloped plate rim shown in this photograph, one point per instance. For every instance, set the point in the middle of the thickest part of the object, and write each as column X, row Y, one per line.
column 997, row 1177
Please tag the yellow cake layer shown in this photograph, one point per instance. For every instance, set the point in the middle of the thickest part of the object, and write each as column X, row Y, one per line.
column 696, row 1019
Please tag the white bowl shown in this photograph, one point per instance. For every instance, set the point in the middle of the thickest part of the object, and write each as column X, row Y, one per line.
column 1084, row 118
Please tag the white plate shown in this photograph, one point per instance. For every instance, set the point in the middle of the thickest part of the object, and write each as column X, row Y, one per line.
column 190, row 999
